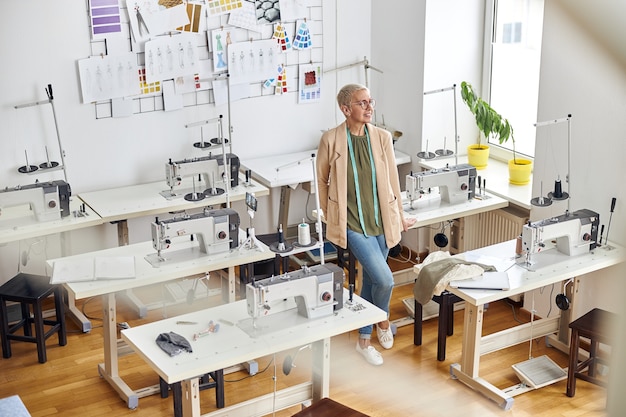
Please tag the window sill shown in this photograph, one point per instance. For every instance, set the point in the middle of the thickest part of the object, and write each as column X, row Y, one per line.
column 496, row 175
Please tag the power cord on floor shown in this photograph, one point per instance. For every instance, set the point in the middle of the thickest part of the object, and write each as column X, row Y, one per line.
column 250, row 376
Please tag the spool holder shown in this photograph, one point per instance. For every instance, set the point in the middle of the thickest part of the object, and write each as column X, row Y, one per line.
column 557, row 194
column 447, row 152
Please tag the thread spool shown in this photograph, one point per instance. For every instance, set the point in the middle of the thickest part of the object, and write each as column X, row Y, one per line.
column 304, row 234
column 518, row 246
column 558, row 190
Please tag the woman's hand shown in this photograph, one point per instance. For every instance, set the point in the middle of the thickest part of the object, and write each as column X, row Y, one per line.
column 407, row 223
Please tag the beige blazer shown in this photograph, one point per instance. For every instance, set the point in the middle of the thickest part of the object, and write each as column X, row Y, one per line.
column 332, row 165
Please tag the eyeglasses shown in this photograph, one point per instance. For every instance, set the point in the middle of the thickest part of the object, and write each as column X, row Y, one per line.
column 365, row 103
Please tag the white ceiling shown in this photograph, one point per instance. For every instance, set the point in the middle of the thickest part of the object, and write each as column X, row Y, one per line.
column 605, row 20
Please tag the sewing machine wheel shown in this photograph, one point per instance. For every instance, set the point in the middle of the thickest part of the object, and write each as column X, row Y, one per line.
column 194, row 196
column 48, row 165
column 426, row 155
column 26, row 169
column 211, row 192
column 202, row 145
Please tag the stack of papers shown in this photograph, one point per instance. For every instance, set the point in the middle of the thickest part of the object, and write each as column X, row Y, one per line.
column 487, row 281
column 91, row 269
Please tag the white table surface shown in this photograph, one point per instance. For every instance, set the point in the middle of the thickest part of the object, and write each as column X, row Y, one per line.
column 291, row 172
column 16, row 223
column 551, row 266
column 231, row 346
column 123, row 203
column 496, row 175
column 548, row 267
column 146, row 274
column 430, row 214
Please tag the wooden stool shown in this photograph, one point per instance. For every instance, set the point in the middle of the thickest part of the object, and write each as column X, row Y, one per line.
column 596, row 326
column 28, row 289
column 445, row 325
column 207, row 381
column 328, row 408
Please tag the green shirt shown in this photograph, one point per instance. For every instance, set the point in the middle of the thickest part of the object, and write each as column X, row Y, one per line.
column 364, row 171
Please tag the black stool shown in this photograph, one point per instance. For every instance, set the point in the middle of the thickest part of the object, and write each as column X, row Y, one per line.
column 207, row 381
column 445, row 326
column 596, row 326
column 29, row 289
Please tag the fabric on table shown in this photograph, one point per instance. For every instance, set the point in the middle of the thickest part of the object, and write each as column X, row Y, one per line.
column 438, row 269
column 173, row 344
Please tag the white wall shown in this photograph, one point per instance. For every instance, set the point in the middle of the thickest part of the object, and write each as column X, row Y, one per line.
column 451, row 58
column 580, row 77
column 40, row 44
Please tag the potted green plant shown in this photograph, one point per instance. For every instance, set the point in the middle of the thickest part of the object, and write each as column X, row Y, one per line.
column 492, row 125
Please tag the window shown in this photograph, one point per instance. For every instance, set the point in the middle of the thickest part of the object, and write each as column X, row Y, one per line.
column 513, row 48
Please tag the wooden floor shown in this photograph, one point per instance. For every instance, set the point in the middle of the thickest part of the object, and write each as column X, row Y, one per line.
column 410, row 383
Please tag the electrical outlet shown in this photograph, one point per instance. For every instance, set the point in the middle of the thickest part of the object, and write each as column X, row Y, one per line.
column 252, row 367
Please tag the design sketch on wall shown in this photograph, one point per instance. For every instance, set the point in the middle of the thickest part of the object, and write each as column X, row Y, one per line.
column 148, row 19
column 195, row 12
column 218, row 7
column 310, row 79
column 293, row 9
column 220, row 40
column 107, row 77
column 267, row 11
column 280, row 35
column 245, row 17
column 208, row 60
column 302, row 38
column 252, row 61
column 105, row 18
column 169, row 57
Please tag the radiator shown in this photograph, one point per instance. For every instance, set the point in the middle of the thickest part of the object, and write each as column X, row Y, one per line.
column 489, row 228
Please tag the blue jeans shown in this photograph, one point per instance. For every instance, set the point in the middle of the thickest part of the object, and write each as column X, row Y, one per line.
column 371, row 252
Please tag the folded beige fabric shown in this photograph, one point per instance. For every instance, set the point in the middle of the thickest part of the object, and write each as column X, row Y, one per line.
column 437, row 272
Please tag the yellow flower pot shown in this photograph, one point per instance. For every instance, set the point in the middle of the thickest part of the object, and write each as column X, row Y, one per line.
column 478, row 155
column 519, row 171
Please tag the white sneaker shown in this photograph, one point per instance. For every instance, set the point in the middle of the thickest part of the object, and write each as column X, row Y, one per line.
column 385, row 337
column 371, row 355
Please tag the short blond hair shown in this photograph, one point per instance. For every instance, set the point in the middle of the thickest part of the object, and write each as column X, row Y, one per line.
column 344, row 97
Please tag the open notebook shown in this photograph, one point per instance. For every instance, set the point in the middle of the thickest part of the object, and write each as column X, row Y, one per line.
column 91, row 269
column 487, row 281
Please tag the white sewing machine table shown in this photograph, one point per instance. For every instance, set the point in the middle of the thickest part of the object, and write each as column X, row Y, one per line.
column 146, row 274
column 287, row 171
column 232, row 345
column 553, row 267
column 120, row 204
column 17, row 224
column 426, row 214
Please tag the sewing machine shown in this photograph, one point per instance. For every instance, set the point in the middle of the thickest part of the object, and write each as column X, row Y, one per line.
column 575, row 234
column 318, row 291
column 48, row 200
column 232, row 161
column 216, row 231
column 456, row 183
column 205, row 167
